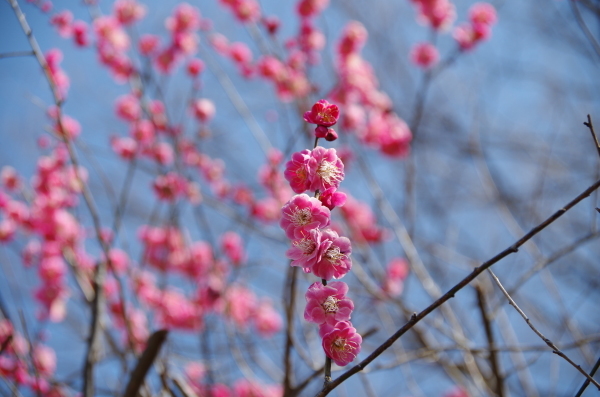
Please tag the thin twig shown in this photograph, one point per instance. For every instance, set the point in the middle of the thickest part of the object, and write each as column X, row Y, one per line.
column 548, row 342
column 498, row 384
column 587, row 382
column 450, row 294
column 589, row 125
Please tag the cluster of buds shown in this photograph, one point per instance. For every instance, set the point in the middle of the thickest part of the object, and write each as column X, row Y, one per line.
column 482, row 16
column 324, row 115
column 316, row 248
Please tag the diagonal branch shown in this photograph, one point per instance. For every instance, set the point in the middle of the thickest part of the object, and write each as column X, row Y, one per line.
column 155, row 342
column 450, row 294
column 548, row 342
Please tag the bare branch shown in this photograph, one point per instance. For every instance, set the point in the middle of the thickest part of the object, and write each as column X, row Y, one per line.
column 450, row 294
column 155, row 342
column 550, row 344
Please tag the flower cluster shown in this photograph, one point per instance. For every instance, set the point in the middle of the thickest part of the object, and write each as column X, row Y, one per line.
column 316, row 248
column 13, row 366
column 367, row 109
column 324, row 115
column 482, row 16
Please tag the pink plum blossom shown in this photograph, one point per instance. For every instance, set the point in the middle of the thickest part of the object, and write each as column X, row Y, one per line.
column 128, row 108
column 246, row 388
column 396, row 272
column 80, row 33
column 44, row 360
column 195, row 67
column 297, row 171
column 62, row 21
column 323, row 113
column 125, row 147
column 325, row 169
column 305, row 252
column 240, row 305
column 328, row 303
column 340, row 342
column 203, row 109
column 331, row 198
column 9, row 177
column 302, row 214
column 148, row 43
column 232, row 246
column 424, row 55
column 128, row 11
column 266, row 319
column 184, row 18
column 170, row 186
column 272, row 24
column 311, row 8
column 482, row 13
column 334, row 256
column 240, row 53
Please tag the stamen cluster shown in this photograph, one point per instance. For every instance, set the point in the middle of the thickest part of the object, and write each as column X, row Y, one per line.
column 316, row 248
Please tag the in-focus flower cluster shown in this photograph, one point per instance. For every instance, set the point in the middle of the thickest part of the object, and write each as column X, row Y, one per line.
column 324, row 115
column 316, row 248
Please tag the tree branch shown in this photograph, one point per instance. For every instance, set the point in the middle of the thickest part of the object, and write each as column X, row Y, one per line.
column 450, row 294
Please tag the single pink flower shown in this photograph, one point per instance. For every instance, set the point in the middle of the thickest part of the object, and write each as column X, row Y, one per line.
column 125, row 147
column 305, row 251
column 323, row 113
column 331, row 198
column 325, row 169
column 52, row 270
column 80, row 33
column 148, row 43
column 44, row 360
column 185, row 18
column 266, row 319
column 170, row 186
column 272, row 24
column 310, row 8
column 246, row 388
column 302, row 214
column 203, row 109
column 142, row 131
column 328, row 303
column 297, row 171
column 128, row 108
column 195, row 67
column 334, row 256
column 128, row 11
column 232, row 246
column 9, row 177
column 424, row 55
column 246, row 10
column 341, row 343
column 482, row 13
column 240, row 305
column 62, row 21
column 240, row 53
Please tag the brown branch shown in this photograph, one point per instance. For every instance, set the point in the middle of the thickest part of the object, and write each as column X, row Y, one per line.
column 493, row 357
column 450, row 294
column 548, row 342
column 155, row 342
column 289, row 328
column 589, row 125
